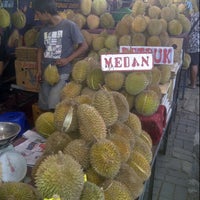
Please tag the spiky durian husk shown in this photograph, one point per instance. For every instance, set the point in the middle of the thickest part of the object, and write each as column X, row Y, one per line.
column 156, row 75
column 185, row 23
column 94, row 177
column 95, row 79
column 138, row 8
column 88, row 91
column 5, row 18
column 130, row 98
column 111, row 42
column 30, row 37
column 110, row 80
column 167, row 13
column 60, row 174
column 124, row 131
column 122, row 28
column 81, row 99
column 143, row 148
column 88, row 36
column 186, row 60
column 70, row 90
column 155, row 88
column 51, row 74
column 124, row 40
column 92, row 21
column 44, row 124
column 147, row 103
column 154, row 12
column 147, row 138
column 99, row 7
column 138, row 24
column 153, row 40
column 134, row 123
column 136, row 82
column 129, row 177
column 105, row 158
column 174, row 27
column 92, row 192
column 85, row 7
column 140, row 165
column 138, row 39
column 116, row 190
column 104, row 103
column 164, row 38
column 79, row 150
column 164, row 3
column 123, row 146
column 18, row 19
column 164, row 24
column 18, row 190
column 65, row 117
column 91, row 125
column 165, row 73
column 107, row 20
column 98, row 43
column 154, row 27
column 13, row 40
column 122, row 105
column 57, row 141
column 80, row 70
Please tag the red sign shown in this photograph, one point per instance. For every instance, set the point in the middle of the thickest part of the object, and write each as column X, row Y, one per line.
column 161, row 55
column 126, row 62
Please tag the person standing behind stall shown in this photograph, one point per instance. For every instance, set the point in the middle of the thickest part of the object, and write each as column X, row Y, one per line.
column 193, row 47
column 55, row 44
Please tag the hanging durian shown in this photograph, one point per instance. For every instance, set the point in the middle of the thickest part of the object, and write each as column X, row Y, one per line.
column 51, row 74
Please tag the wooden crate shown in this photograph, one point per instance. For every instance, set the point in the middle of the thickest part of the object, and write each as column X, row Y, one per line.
column 26, row 53
column 36, row 111
column 25, row 75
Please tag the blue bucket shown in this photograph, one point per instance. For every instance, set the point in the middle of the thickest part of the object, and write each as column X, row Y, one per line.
column 16, row 117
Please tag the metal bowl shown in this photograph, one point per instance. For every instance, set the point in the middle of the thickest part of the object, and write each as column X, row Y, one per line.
column 8, row 131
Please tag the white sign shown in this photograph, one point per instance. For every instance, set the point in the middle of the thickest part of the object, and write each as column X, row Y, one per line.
column 126, row 62
column 161, row 55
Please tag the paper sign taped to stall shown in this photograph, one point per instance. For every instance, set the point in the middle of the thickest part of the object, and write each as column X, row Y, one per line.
column 126, row 62
column 161, row 55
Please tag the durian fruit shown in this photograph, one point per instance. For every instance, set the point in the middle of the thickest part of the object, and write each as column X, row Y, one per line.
column 134, row 123
column 138, row 39
column 91, row 125
column 143, row 148
column 18, row 190
column 154, row 12
column 57, row 141
column 80, row 70
column 107, row 21
column 79, row 150
column 156, row 75
column 13, row 40
column 99, row 7
column 129, row 177
column 92, row 192
column 44, row 124
column 154, row 27
column 30, row 37
column 164, row 24
column 167, row 13
column 164, row 3
column 51, row 74
column 98, row 43
column 87, row 36
column 140, row 165
column 95, row 79
column 60, row 174
column 130, row 98
column 186, row 60
column 93, row 177
column 5, row 18
column 164, row 38
column 68, row 13
column 81, row 99
column 147, row 138
column 165, row 73
column 139, row 24
column 155, row 88
column 92, row 21
column 136, row 82
column 123, row 146
column 86, row 7
column 153, row 40
column 174, row 27
column 147, row 103
column 65, row 117
column 105, row 158
column 18, row 19
column 138, row 8
column 88, row 91
column 116, row 190
column 111, row 41
column 79, row 19
column 122, row 105
column 104, row 103
column 110, row 80
column 124, row 131
column 70, row 90
column 185, row 23
column 124, row 40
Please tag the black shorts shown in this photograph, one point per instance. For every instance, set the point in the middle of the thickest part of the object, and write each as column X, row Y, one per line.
column 194, row 58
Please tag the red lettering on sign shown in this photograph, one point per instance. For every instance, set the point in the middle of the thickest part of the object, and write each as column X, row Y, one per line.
column 118, row 62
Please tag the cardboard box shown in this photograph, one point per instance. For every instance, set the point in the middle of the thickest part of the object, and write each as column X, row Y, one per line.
column 26, row 53
column 36, row 111
column 25, row 75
